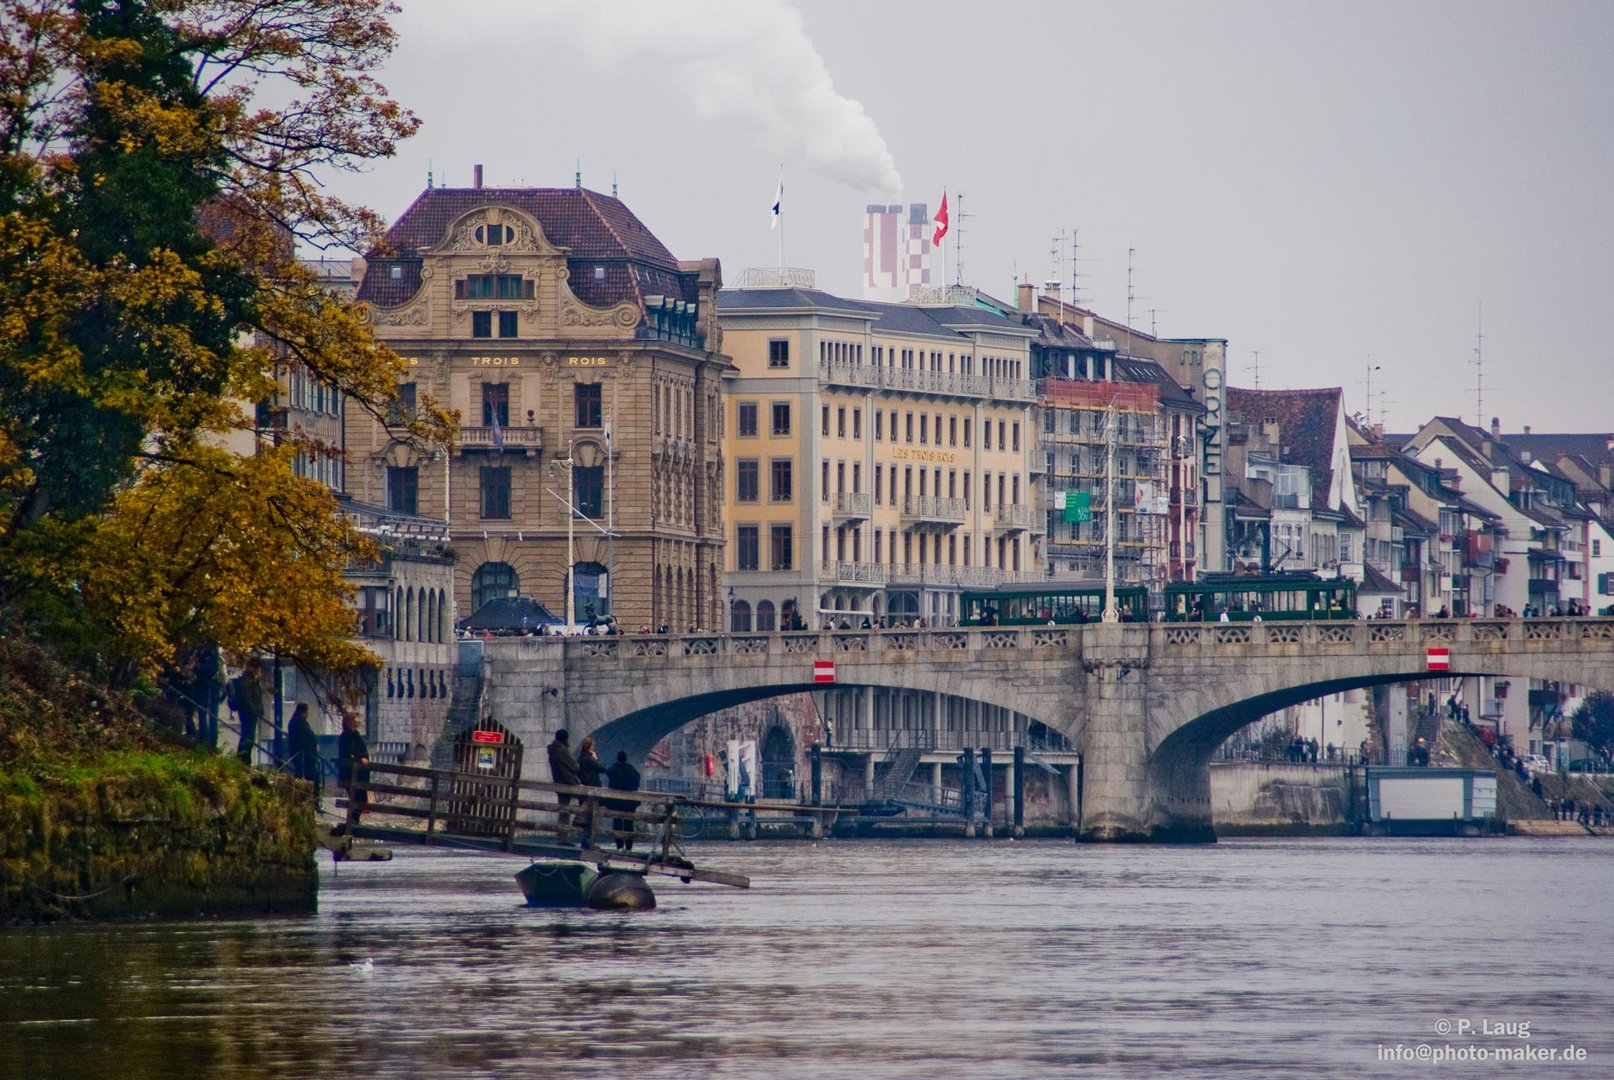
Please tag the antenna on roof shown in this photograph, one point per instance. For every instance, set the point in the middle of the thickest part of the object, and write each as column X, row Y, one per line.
column 958, row 242
column 1154, row 328
column 577, row 177
column 1257, row 373
column 613, row 183
column 1368, row 382
column 1479, row 366
column 1075, row 274
column 428, row 174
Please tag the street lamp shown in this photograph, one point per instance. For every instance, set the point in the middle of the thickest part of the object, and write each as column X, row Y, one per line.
column 571, row 534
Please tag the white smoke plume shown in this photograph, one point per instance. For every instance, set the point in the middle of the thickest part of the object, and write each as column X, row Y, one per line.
column 748, row 62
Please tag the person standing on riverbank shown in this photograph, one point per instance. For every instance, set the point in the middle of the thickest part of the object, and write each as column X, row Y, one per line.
column 303, row 746
column 353, row 759
column 246, row 701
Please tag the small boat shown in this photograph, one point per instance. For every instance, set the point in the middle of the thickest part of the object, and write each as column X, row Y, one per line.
column 568, row 883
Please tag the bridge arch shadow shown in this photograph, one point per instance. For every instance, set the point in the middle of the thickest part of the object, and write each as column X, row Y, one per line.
column 1181, row 758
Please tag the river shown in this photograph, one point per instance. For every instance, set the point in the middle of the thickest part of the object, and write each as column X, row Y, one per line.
column 864, row 960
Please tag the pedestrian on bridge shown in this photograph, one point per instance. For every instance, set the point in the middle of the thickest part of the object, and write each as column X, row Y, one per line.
column 353, row 758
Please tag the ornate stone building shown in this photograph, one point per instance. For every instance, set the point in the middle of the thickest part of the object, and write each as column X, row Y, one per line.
column 584, row 362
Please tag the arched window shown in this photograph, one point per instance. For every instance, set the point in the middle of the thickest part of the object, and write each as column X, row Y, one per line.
column 399, row 614
column 409, row 614
column 591, row 588
column 765, row 619
column 420, row 616
column 493, row 581
column 443, row 621
column 740, row 617
column 430, row 625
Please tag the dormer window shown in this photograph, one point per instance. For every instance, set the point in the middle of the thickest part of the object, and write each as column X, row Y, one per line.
column 494, row 235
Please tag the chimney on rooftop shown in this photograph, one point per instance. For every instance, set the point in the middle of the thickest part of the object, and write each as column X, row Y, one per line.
column 1028, row 296
column 476, row 176
column 1496, row 425
column 1527, row 429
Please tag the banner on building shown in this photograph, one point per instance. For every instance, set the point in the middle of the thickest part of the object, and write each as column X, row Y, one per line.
column 1078, row 507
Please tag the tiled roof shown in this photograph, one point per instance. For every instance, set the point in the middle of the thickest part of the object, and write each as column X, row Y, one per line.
column 1375, row 583
column 772, row 299
column 1307, row 420
column 611, row 255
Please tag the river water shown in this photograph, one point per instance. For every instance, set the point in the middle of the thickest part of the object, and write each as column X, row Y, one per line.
column 865, row 960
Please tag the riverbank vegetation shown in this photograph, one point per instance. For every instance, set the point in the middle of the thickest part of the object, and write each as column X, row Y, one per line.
column 160, row 163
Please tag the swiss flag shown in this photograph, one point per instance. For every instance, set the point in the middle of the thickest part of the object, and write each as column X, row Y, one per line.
column 1438, row 659
column 823, row 671
column 941, row 222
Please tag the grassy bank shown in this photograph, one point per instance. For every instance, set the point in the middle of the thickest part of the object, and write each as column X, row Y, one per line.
column 101, row 816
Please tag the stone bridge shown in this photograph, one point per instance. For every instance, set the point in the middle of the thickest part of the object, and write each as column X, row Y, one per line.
column 1145, row 704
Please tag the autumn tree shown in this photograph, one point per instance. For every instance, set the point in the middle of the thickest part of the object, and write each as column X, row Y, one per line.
column 1593, row 721
column 160, row 161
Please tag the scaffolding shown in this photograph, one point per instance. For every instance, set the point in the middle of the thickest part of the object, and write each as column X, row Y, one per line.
column 1074, row 440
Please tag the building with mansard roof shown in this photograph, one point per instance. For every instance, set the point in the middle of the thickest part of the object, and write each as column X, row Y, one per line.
column 585, row 363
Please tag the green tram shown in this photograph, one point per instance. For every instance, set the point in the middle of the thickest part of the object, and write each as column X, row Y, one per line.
column 1274, row 597
column 1062, row 603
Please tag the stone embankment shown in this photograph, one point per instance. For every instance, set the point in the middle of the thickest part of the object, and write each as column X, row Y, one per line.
column 148, row 833
column 1281, row 799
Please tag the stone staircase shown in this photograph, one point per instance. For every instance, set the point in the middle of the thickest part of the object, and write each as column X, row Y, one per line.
column 1550, row 827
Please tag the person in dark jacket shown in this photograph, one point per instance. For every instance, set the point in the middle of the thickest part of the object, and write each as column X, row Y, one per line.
column 246, row 701
column 303, row 746
column 622, row 776
column 563, row 770
column 353, row 760
column 590, row 771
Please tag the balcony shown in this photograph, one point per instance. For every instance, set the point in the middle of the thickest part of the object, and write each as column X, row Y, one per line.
column 851, row 508
column 932, row 512
column 1012, row 518
column 871, row 575
column 833, row 374
column 526, row 439
column 932, row 382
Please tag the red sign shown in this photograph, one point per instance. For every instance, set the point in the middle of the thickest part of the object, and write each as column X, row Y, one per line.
column 823, row 671
column 493, row 737
column 1438, row 659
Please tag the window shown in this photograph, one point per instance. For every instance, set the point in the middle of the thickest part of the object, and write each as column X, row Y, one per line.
column 781, row 418
column 765, row 619
column 824, row 430
column 924, row 428
column 495, row 404
column 879, row 427
column 840, row 422
column 1017, row 435
column 746, row 480
column 823, row 480
column 588, row 489
column 1002, row 443
column 481, row 324
column 778, row 354
column 403, row 489
column 986, row 435
column 403, row 408
column 781, row 549
column 493, row 581
column 966, row 433
column 507, row 324
column 586, row 405
column 1597, row 548
column 908, row 427
column 879, row 480
column 952, row 431
column 779, row 491
column 746, row 419
column 857, row 423
column 746, row 544
column 493, row 287
column 496, row 491
column 494, row 235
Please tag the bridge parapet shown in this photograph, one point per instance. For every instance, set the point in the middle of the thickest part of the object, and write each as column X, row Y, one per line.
column 1360, row 634
column 826, row 644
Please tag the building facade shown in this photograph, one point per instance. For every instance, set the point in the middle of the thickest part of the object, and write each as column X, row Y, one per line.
column 585, row 364
column 883, row 457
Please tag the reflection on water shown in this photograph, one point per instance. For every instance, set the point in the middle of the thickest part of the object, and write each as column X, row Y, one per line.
column 855, row 959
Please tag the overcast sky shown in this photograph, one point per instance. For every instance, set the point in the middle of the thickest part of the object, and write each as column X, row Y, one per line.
column 1332, row 185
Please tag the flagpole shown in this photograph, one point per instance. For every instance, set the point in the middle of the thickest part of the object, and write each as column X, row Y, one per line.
column 781, row 216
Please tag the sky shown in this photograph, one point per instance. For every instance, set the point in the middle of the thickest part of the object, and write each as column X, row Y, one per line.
column 1342, row 191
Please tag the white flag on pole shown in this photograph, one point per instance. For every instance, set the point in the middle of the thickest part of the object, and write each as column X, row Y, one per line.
column 778, row 198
